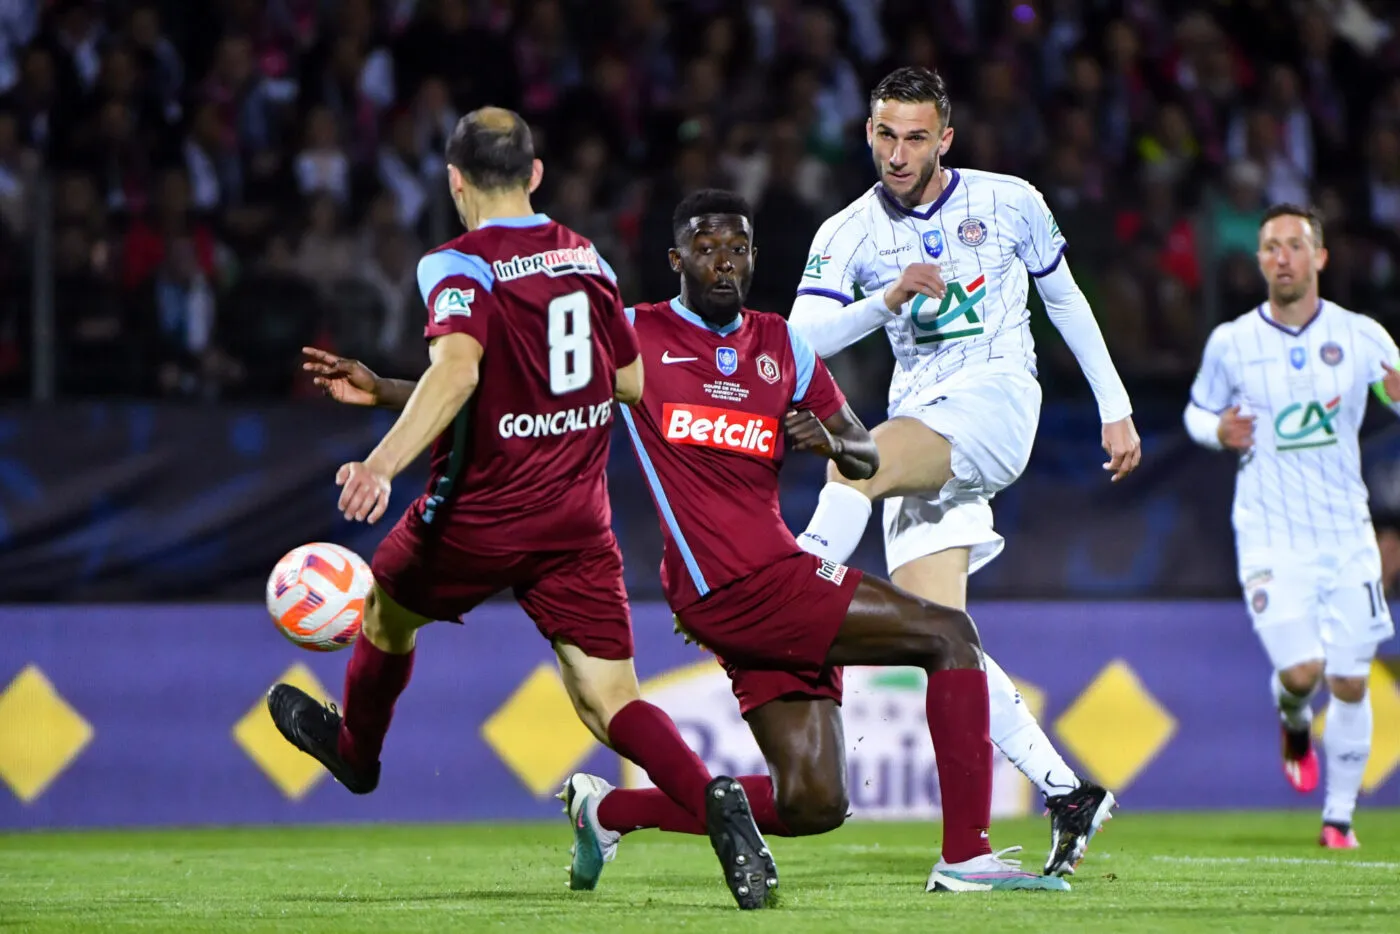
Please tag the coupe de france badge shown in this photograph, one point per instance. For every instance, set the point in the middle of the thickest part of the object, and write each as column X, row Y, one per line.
column 1297, row 356
column 727, row 359
column 933, row 243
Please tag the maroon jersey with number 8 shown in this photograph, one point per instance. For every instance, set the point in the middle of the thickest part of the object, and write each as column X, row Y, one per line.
column 523, row 467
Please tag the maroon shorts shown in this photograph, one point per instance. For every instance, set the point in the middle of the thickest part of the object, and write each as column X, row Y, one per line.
column 773, row 629
column 574, row 595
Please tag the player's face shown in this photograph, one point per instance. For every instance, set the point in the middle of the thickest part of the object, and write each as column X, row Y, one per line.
column 1289, row 257
column 906, row 141
column 715, row 260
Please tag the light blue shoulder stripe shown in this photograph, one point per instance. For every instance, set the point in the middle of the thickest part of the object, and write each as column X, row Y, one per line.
column 664, row 505
column 435, row 267
column 631, row 313
column 605, row 266
column 806, row 359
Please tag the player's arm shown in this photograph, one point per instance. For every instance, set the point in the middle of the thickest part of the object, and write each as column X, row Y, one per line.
column 352, row 383
column 821, row 421
column 1382, row 375
column 840, row 438
column 826, row 312
column 1210, row 419
column 1042, row 248
column 627, row 354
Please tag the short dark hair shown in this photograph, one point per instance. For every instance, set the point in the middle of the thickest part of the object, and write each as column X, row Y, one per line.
column 914, row 85
column 708, row 201
column 1285, row 209
column 493, row 148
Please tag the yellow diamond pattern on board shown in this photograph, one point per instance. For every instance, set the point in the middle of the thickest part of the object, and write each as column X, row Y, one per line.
column 291, row 770
column 536, row 732
column 40, row 734
column 1385, row 735
column 1115, row 727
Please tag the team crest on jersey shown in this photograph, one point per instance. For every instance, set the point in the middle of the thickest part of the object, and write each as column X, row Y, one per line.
column 767, row 368
column 1331, row 353
column 1297, row 356
column 727, row 359
column 972, row 231
column 1260, row 600
column 933, row 243
column 453, row 303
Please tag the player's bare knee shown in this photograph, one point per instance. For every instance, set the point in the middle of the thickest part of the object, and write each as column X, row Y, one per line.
column 813, row 808
column 386, row 625
column 1347, row 690
column 1302, row 678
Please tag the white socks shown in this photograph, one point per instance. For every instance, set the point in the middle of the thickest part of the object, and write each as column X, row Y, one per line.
column 1348, row 745
column 1019, row 737
column 837, row 524
column 1295, row 710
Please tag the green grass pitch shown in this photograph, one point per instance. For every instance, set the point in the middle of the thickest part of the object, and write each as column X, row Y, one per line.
column 1146, row 873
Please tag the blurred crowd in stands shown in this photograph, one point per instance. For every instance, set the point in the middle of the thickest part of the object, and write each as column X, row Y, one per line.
column 209, row 184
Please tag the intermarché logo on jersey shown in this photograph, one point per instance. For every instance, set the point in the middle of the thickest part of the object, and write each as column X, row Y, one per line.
column 1306, row 425
column 724, row 429
column 956, row 316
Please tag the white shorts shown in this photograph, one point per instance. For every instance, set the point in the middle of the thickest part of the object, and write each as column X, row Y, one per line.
column 990, row 418
column 1327, row 605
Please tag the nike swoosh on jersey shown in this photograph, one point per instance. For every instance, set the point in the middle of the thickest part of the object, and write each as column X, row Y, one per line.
column 667, row 358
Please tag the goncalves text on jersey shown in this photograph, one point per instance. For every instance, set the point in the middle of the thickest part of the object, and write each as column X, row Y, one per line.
column 553, row 424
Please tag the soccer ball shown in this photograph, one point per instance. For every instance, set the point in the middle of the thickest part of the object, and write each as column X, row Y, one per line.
column 316, row 595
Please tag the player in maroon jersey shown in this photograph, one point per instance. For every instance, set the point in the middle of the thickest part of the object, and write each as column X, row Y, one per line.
column 727, row 390
column 529, row 349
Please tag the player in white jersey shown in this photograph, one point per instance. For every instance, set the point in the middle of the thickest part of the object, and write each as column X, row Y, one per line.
column 1284, row 385
column 942, row 257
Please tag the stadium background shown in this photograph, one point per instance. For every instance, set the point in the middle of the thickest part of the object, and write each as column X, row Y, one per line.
column 190, row 192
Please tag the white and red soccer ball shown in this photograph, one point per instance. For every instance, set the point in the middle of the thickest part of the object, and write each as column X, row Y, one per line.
column 316, row 595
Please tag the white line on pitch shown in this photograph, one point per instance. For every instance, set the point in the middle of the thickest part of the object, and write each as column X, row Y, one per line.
column 1281, row 860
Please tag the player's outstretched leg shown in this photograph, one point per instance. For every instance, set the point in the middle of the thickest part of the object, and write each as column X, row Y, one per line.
column 1294, row 689
column 1077, row 808
column 886, row 626
column 380, row 665
column 1348, row 746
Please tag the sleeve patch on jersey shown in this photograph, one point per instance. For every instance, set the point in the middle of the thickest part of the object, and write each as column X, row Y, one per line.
column 815, row 264
column 453, row 302
column 435, row 267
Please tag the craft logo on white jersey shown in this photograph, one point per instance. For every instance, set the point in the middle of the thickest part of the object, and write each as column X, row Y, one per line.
column 725, row 429
column 453, row 302
column 1306, row 425
column 574, row 260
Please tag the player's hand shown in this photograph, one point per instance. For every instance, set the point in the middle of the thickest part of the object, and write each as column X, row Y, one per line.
column 916, row 279
column 344, row 380
column 807, row 433
column 364, row 493
column 1123, row 446
column 1391, row 382
column 1236, row 431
